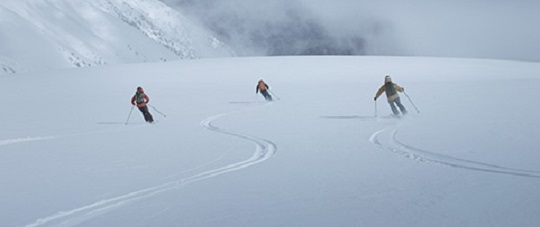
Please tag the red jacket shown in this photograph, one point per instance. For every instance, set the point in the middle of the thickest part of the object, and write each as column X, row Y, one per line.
column 141, row 104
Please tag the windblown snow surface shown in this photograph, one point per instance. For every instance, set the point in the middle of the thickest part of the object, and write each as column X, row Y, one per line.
column 320, row 155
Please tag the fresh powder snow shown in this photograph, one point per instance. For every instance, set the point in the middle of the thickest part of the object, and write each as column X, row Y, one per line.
column 323, row 154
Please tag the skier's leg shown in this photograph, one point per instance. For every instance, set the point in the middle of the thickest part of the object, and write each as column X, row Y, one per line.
column 150, row 117
column 394, row 109
column 146, row 117
column 401, row 107
column 143, row 111
column 146, row 114
column 266, row 96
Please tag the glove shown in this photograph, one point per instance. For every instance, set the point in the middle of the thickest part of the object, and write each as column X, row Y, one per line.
column 375, row 98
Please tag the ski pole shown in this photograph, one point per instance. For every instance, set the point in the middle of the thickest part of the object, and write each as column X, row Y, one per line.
column 157, row 110
column 129, row 115
column 418, row 111
column 375, row 108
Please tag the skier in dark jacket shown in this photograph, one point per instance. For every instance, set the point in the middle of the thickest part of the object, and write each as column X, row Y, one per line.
column 141, row 99
column 392, row 96
column 263, row 87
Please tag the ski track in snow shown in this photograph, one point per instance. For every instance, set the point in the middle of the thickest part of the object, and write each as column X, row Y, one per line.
column 366, row 118
column 264, row 150
column 24, row 140
column 28, row 139
column 392, row 144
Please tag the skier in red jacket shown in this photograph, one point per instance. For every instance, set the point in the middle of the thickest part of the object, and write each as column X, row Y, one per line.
column 141, row 99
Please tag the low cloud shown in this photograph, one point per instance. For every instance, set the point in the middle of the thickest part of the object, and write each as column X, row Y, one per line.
column 477, row 29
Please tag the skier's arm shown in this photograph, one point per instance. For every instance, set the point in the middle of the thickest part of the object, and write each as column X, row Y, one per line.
column 257, row 89
column 147, row 98
column 379, row 92
column 267, row 87
column 133, row 100
column 398, row 88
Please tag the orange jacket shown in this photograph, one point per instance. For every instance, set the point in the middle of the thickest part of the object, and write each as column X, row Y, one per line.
column 390, row 97
column 262, row 86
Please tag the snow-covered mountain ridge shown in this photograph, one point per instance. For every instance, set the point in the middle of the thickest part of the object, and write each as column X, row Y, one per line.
column 41, row 35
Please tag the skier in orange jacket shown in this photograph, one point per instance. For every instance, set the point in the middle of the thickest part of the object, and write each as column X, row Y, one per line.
column 263, row 87
column 391, row 89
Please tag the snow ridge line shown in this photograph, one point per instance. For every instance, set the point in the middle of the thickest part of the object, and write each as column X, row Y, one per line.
column 264, row 150
column 395, row 146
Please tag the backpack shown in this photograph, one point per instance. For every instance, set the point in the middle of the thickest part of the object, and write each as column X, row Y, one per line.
column 139, row 98
column 390, row 89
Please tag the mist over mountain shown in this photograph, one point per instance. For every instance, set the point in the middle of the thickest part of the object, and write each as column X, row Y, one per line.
column 41, row 35
column 477, row 29
column 286, row 27
column 49, row 34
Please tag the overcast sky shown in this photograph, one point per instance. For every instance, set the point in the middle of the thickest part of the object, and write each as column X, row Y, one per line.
column 453, row 28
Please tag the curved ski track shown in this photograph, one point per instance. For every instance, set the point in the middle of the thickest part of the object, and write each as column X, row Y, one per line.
column 394, row 145
column 264, row 150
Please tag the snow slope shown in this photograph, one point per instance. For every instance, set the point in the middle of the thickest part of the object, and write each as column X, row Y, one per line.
column 316, row 157
column 42, row 35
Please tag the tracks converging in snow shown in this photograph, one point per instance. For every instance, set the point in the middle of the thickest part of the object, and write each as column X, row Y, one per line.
column 386, row 139
column 264, row 149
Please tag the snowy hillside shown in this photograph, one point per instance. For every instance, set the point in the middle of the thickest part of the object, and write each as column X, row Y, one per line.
column 40, row 35
column 323, row 154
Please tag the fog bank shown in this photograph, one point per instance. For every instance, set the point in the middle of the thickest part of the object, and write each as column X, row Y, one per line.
column 479, row 29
